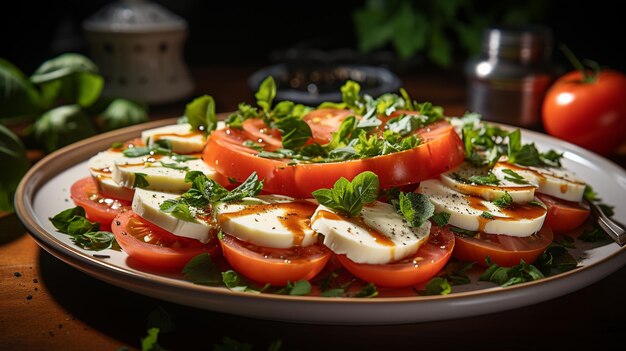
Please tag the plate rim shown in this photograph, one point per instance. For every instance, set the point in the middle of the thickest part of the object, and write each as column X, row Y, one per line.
column 36, row 177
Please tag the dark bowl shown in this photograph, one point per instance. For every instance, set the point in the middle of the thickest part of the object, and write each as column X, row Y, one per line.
column 313, row 85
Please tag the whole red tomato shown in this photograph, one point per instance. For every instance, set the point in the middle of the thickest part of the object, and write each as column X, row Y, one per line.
column 588, row 112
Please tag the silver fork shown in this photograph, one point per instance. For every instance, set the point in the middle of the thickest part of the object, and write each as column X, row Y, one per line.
column 613, row 228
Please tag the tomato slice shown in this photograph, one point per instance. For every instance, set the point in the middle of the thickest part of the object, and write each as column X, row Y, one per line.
column 431, row 257
column 259, row 132
column 504, row 250
column 274, row 266
column 440, row 151
column 154, row 246
column 324, row 122
column 98, row 207
column 564, row 216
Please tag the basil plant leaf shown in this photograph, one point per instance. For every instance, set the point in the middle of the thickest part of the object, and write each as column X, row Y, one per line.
column 123, row 113
column 12, row 155
column 266, row 94
column 61, row 126
column 18, row 97
column 70, row 77
column 201, row 113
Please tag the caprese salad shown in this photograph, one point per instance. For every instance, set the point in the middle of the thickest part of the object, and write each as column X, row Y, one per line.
column 387, row 189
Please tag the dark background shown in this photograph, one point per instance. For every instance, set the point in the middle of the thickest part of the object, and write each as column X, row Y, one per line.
column 239, row 32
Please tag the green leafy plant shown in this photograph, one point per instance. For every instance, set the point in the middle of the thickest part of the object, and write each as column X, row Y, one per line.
column 60, row 103
column 437, row 29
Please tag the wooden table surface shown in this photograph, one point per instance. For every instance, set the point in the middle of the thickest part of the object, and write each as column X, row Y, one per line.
column 47, row 305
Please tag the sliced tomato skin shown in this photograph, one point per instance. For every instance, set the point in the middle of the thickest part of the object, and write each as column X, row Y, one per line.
column 441, row 150
column 564, row 216
column 431, row 257
column 98, row 207
column 259, row 132
column 154, row 246
column 325, row 121
column 264, row 265
column 504, row 250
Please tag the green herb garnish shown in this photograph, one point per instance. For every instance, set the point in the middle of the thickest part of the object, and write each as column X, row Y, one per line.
column 84, row 233
column 349, row 197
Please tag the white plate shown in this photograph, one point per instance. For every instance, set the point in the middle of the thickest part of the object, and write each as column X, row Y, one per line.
column 44, row 191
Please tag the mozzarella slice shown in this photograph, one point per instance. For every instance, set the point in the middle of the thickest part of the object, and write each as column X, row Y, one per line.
column 557, row 182
column 101, row 169
column 468, row 212
column 146, row 203
column 520, row 193
column 378, row 236
column 149, row 172
column 182, row 137
column 268, row 220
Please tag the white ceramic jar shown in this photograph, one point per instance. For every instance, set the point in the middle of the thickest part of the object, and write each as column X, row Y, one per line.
column 138, row 46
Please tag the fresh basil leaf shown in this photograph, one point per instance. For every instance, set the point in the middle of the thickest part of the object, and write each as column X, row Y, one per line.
column 63, row 66
column 201, row 114
column 283, row 109
column 62, row 220
column 464, row 232
column 555, row 259
column 174, row 165
column 506, row 276
column 140, row 180
column 364, row 187
column 489, row 179
column 369, row 290
column 178, row 209
column 514, row 177
column 416, row 208
column 249, row 188
column 503, row 201
column 202, row 270
column 441, row 218
column 83, row 233
column 235, row 282
column 81, row 225
column 12, row 153
column 349, row 197
column 551, row 158
column 455, row 272
column 590, row 194
column 266, row 94
column 295, row 132
column 182, row 158
column 437, row 286
column 138, row 151
column 98, row 240
column 324, row 197
column 61, row 126
column 335, row 292
column 486, row 215
column 340, row 137
column 123, row 113
column 69, row 77
column 300, row 288
column 18, row 97
column 244, row 111
column 330, row 104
